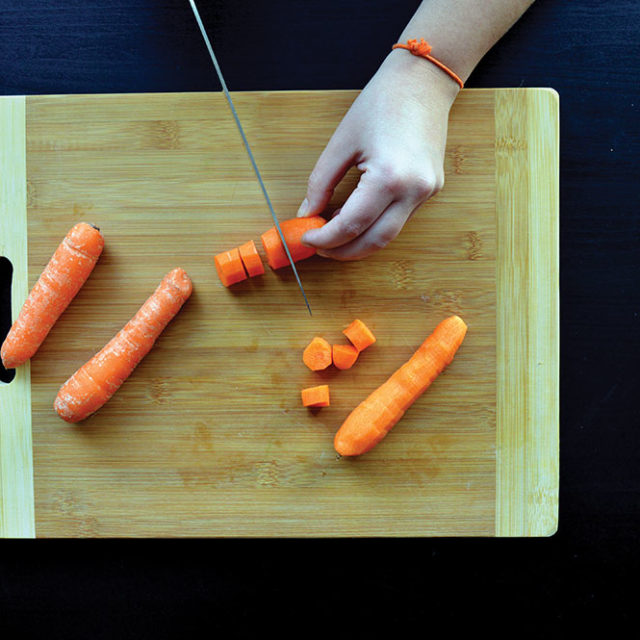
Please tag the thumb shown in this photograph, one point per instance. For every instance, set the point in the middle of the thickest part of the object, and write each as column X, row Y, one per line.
column 336, row 159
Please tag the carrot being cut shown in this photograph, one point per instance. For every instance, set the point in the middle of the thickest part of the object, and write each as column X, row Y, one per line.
column 317, row 354
column 62, row 278
column 251, row 259
column 359, row 335
column 373, row 418
column 344, row 355
column 316, row 396
column 293, row 230
column 229, row 267
column 96, row 381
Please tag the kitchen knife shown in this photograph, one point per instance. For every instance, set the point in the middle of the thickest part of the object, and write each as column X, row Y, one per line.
column 248, row 147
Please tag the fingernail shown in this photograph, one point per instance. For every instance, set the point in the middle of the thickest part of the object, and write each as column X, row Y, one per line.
column 322, row 254
column 304, row 208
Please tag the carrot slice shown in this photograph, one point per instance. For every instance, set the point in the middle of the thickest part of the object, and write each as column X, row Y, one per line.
column 359, row 335
column 62, row 278
column 317, row 354
column 96, row 381
column 229, row 267
column 251, row 259
column 316, row 396
column 373, row 418
column 344, row 355
column 293, row 230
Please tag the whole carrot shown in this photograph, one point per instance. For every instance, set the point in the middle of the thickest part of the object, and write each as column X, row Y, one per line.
column 373, row 418
column 58, row 284
column 97, row 380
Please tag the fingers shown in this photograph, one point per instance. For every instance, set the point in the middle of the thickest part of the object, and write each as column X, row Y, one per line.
column 336, row 159
column 362, row 208
column 376, row 237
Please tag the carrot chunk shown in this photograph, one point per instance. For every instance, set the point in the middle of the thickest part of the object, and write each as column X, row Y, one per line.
column 316, row 396
column 62, row 278
column 317, row 354
column 374, row 417
column 344, row 355
column 229, row 267
column 359, row 335
column 91, row 386
column 293, row 230
column 251, row 259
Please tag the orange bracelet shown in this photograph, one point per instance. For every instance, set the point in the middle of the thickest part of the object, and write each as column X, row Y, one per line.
column 423, row 49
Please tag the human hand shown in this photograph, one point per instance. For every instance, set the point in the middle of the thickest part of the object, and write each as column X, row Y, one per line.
column 395, row 133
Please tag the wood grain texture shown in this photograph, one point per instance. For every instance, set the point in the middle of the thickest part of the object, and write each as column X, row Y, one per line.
column 527, row 176
column 208, row 438
column 16, row 461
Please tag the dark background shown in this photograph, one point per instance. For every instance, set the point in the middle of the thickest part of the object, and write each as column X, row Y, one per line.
column 589, row 52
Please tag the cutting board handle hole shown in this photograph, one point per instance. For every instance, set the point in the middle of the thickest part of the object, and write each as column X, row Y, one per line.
column 6, row 274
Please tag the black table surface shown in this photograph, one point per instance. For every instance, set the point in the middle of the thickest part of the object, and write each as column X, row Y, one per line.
column 589, row 51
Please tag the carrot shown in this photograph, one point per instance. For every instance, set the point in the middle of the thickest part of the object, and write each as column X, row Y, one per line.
column 251, row 259
column 62, row 278
column 316, row 396
column 317, row 354
column 344, row 355
column 373, row 418
column 293, row 230
column 229, row 267
column 359, row 335
column 96, row 381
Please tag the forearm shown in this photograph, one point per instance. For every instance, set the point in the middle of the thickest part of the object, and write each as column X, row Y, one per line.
column 462, row 31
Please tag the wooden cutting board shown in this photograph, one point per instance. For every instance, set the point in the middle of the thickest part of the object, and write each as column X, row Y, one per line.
column 208, row 437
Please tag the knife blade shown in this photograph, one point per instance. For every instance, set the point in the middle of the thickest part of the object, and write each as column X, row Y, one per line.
column 247, row 147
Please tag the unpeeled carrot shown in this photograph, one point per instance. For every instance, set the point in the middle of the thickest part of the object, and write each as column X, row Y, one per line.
column 96, row 381
column 373, row 418
column 292, row 230
column 62, row 278
column 316, row 396
column 344, row 355
column 359, row 335
column 229, row 267
column 317, row 354
column 251, row 259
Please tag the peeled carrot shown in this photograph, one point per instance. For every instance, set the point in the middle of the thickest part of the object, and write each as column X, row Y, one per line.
column 62, row 278
column 317, row 354
column 373, row 418
column 359, row 335
column 229, row 267
column 316, row 396
column 293, row 230
column 96, row 381
column 344, row 355
column 251, row 259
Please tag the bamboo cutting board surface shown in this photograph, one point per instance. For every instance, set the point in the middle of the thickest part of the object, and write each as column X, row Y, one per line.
column 208, row 436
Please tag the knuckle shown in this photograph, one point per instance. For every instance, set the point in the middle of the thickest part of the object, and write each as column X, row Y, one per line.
column 352, row 228
column 423, row 185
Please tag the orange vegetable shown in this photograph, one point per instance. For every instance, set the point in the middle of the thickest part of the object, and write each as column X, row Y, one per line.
column 317, row 354
column 95, row 382
column 229, row 267
column 359, row 335
column 344, row 355
column 316, row 396
column 62, row 278
column 293, row 230
column 251, row 259
column 373, row 418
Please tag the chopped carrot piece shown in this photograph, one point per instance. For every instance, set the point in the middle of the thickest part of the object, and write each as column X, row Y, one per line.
column 293, row 230
column 60, row 281
column 316, row 396
column 344, row 355
column 229, row 267
column 374, row 417
column 359, row 335
column 317, row 355
column 251, row 259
